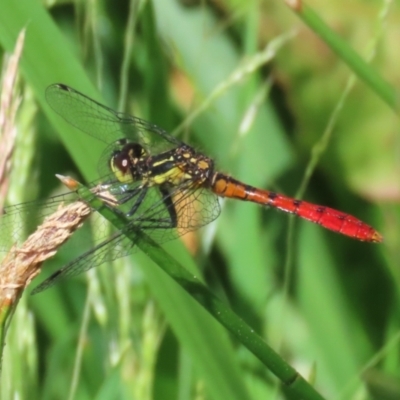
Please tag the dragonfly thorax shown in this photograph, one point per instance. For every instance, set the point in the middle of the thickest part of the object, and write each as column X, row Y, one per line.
column 128, row 163
column 194, row 166
column 174, row 168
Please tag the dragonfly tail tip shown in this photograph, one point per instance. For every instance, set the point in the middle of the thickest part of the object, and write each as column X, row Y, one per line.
column 377, row 237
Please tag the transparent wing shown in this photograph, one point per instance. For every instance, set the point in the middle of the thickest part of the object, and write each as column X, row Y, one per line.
column 155, row 214
column 20, row 220
column 114, row 247
column 103, row 123
column 160, row 207
column 194, row 208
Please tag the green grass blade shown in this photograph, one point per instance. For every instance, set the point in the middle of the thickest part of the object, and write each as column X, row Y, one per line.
column 363, row 70
column 292, row 381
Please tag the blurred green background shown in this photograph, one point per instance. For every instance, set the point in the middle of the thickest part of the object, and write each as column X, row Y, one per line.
column 328, row 304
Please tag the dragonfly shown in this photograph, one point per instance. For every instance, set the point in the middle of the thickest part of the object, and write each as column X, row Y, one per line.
column 164, row 186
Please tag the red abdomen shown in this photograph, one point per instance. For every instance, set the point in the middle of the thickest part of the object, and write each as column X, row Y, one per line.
column 329, row 218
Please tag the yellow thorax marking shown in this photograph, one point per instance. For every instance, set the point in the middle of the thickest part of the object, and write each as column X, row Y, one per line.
column 120, row 175
column 174, row 175
column 203, row 164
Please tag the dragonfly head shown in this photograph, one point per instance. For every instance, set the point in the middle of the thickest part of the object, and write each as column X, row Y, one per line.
column 126, row 162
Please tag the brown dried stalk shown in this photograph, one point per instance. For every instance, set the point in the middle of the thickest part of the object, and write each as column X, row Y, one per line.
column 22, row 264
column 8, row 108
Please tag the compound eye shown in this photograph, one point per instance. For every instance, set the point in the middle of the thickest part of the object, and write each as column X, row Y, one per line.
column 121, row 161
column 119, row 165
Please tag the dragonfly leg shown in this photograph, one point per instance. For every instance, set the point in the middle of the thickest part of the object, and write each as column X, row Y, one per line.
column 138, row 201
column 169, row 204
